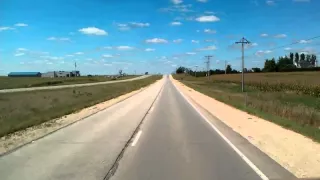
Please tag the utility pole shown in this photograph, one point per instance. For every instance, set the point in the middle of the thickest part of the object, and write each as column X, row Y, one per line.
column 195, row 73
column 208, row 66
column 75, row 68
column 225, row 67
column 242, row 42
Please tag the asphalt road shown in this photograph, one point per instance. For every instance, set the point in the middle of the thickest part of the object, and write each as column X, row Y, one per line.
column 70, row 85
column 148, row 136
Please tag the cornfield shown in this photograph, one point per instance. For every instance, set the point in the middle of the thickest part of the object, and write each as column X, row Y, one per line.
column 301, row 83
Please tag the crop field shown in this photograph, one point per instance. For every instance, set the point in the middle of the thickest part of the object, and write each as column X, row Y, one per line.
column 288, row 99
column 25, row 82
column 307, row 83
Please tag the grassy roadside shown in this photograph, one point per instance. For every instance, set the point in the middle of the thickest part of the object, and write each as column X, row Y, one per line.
column 300, row 113
column 24, row 109
column 25, row 82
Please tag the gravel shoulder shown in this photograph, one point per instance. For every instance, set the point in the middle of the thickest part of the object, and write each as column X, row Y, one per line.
column 295, row 152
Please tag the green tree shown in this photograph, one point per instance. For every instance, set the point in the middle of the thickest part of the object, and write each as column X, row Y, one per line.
column 313, row 59
column 180, row 70
column 256, row 69
column 296, row 59
column 292, row 57
column 228, row 69
column 308, row 58
column 284, row 63
column 270, row 65
column 302, row 57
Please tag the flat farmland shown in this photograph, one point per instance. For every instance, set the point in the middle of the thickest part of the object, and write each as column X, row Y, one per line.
column 26, row 82
column 307, row 83
column 306, row 78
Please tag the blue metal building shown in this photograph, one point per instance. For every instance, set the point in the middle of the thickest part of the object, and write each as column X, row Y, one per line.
column 24, row 74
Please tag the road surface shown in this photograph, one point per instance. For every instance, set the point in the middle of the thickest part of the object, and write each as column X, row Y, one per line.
column 69, row 86
column 155, row 135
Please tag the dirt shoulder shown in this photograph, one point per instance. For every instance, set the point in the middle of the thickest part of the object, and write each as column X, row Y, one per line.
column 19, row 138
column 298, row 154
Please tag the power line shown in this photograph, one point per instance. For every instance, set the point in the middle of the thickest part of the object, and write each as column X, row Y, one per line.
column 296, row 42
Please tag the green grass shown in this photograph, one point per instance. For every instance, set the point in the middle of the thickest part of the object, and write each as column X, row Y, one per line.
column 25, row 82
column 300, row 113
column 24, row 109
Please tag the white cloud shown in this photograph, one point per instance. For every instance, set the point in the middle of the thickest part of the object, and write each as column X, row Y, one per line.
column 123, row 27
column 264, row 35
column 176, row 1
column 107, row 47
column 203, row 1
column 58, row 39
column 176, row 24
column 261, row 53
column 21, row 25
column 51, row 38
column 93, row 31
column 195, row 41
column 254, row 44
column 22, row 49
column 211, row 18
column 51, row 58
column 149, row 49
column 105, row 64
column 139, row 24
column 178, row 8
column 124, row 48
column 287, row 48
column 177, row 40
column 270, row 3
column 304, row 41
column 301, row 0
column 191, row 53
column 156, row 41
column 173, row 65
column 208, row 48
column 19, row 54
column 280, row 36
column 107, row 56
column 78, row 53
column 6, row 28
column 70, row 55
column 209, row 31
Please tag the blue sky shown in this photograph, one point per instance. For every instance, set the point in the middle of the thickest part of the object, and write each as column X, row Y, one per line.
column 103, row 36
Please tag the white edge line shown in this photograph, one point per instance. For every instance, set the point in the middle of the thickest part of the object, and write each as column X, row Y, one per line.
column 254, row 167
column 136, row 138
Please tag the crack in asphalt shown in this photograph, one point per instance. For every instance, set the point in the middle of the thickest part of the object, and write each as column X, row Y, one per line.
column 115, row 165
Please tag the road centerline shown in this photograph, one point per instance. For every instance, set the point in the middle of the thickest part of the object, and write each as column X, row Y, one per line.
column 136, row 139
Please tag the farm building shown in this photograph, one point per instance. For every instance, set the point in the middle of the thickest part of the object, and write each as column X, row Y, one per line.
column 53, row 74
column 24, row 74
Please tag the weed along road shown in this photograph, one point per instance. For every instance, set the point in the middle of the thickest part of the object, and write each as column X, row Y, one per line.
column 157, row 134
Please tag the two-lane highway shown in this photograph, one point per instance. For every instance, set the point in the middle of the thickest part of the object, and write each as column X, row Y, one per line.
column 173, row 142
column 176, row 144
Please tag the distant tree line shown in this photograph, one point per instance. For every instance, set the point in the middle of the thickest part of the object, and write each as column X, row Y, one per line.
column 294, row 62
column 181, row 70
